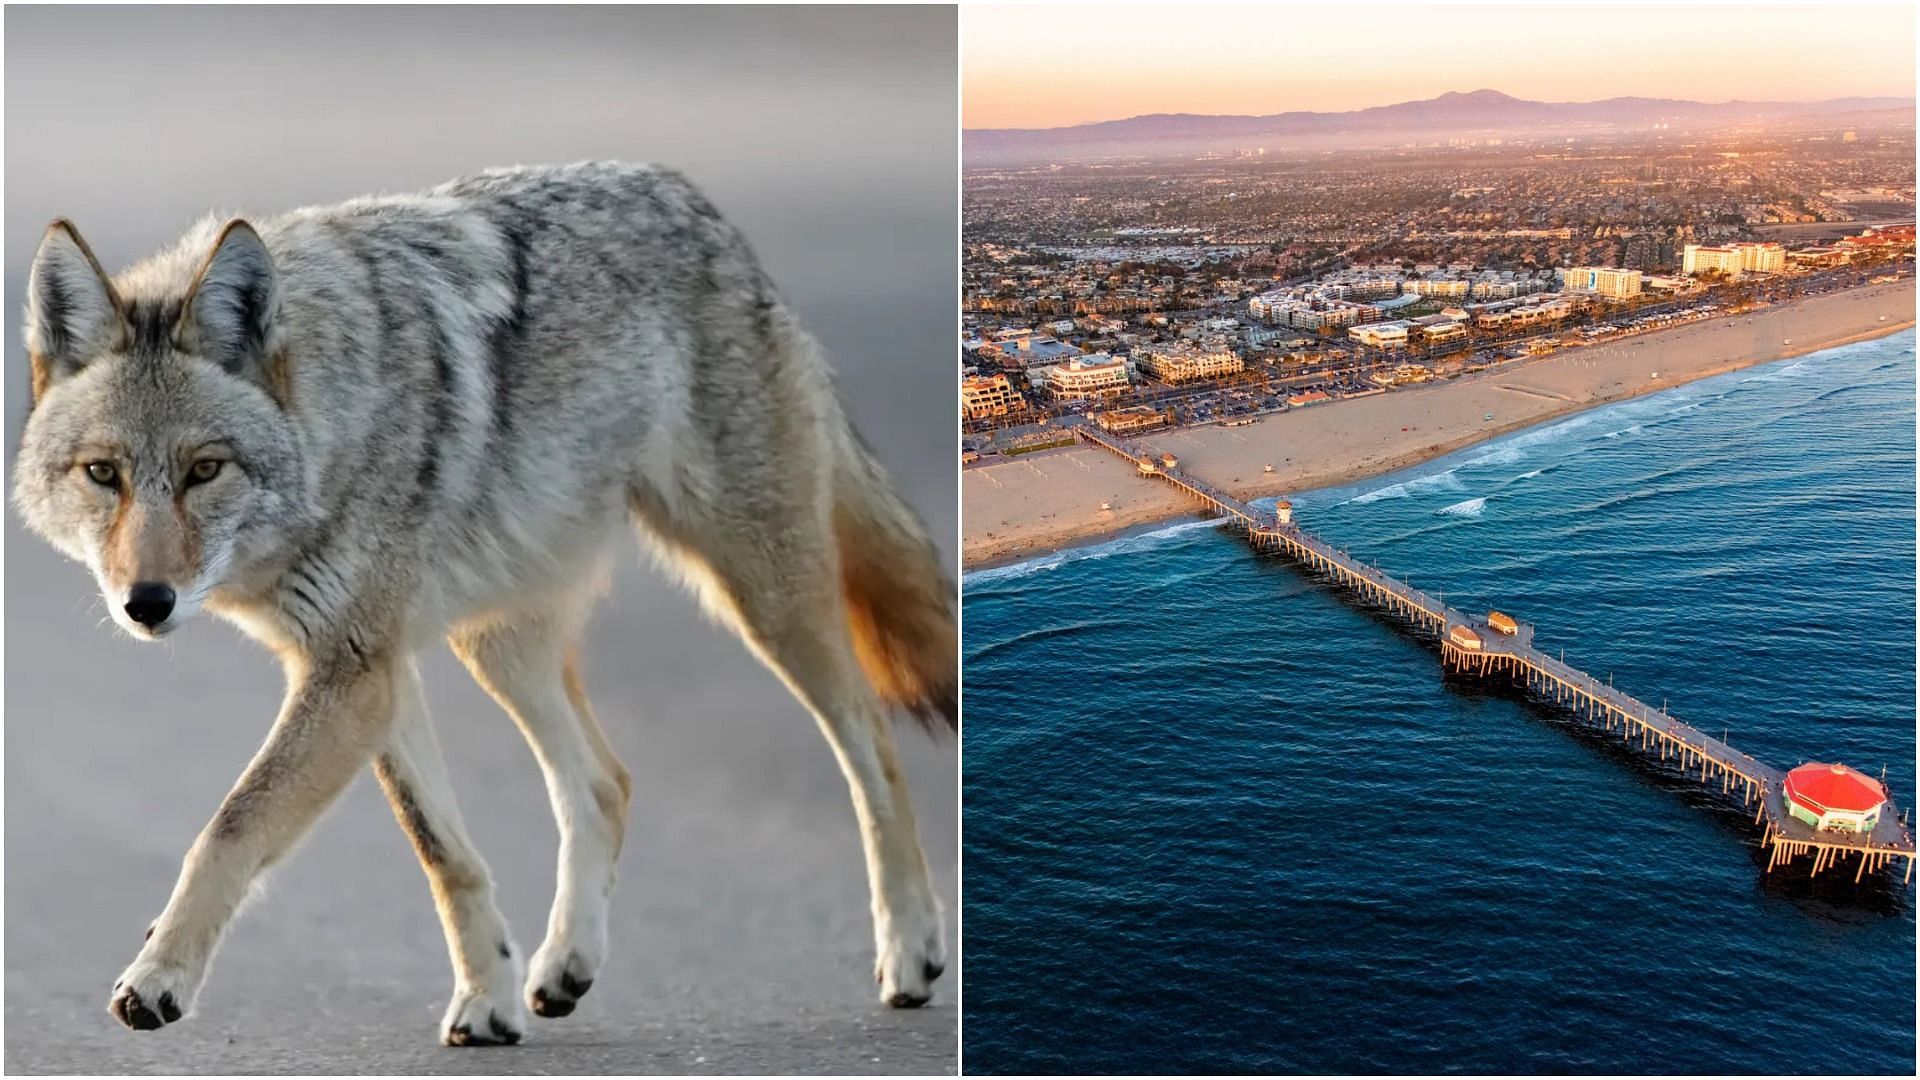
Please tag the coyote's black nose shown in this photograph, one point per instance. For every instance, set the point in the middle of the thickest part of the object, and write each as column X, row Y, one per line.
column 150, row 603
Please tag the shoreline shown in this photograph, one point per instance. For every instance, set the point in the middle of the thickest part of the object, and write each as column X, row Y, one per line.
column 1048, row 502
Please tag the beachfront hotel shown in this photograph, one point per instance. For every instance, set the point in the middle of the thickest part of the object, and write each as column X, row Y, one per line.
column 1084, row 378
column 1603, row 281
column 1183, row 364
column 1733, row 260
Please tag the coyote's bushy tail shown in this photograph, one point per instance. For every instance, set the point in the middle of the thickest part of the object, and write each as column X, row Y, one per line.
column 900, row 599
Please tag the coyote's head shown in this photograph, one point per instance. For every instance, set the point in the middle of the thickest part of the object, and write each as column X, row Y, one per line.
column 158, row 451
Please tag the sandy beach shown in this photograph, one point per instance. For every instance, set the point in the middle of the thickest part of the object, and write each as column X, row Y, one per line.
column 1040, row 502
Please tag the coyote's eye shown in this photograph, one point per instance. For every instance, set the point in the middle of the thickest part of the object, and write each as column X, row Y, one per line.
column 204, row 470
column 103, row 473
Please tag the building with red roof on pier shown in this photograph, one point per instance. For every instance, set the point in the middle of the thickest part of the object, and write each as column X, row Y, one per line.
column 1834, row 797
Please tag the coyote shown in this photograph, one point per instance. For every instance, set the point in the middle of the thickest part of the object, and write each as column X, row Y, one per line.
column 352, row 430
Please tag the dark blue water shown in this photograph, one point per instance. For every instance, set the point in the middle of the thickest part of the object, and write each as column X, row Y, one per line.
column 1220, row 819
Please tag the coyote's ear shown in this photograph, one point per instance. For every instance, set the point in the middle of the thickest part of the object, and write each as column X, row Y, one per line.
column 73, row 314
column 229, row 314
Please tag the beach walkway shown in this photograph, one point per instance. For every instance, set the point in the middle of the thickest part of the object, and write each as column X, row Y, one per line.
column 1494, row 646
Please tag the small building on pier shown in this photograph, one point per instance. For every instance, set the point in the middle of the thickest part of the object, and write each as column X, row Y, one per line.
column 1833, row 797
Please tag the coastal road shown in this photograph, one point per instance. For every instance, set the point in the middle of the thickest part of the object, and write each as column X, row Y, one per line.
column 741, row 936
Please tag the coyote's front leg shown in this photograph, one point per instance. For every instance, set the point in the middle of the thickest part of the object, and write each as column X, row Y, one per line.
column 486, row 1005
column 339, row 707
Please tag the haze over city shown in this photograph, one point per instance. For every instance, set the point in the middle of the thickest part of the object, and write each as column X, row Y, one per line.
column 1237, row 60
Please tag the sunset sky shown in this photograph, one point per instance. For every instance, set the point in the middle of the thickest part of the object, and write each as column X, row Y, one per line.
column 1031, row 66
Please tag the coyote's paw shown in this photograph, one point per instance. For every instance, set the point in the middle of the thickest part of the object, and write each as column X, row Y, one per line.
column 912, row 953
column 476, row 1018
column 151, row 994
column 560, row 976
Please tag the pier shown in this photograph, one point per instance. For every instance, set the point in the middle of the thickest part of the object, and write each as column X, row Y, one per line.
column 1496, row 647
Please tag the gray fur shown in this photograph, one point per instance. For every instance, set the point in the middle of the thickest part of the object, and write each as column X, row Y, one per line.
column 437, row 415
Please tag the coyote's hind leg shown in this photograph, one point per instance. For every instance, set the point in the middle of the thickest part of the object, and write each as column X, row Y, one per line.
column 525, row 663
column 785, row 601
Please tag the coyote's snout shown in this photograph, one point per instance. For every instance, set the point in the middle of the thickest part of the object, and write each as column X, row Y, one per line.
column 354, row 429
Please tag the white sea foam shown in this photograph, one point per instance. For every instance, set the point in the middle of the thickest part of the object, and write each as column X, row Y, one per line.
column 1795, row 370
column 1506, row 454
column 1440, row 481
column 1057, row 559
column 1472, row 508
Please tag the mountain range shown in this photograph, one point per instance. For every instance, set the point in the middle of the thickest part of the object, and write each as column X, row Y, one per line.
column 1488, row 111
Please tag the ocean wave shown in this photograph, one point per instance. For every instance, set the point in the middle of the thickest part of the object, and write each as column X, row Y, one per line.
column 1055, row 560
column 1794, row 370
column 1043, row 633
column 1507, row 454
column 1440, row 481
column 1835, row 391
column 1472, row 508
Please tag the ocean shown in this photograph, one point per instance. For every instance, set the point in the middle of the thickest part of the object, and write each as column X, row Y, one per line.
column 1219, row 818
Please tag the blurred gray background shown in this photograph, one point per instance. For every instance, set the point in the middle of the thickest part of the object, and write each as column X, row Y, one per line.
column 741, row 936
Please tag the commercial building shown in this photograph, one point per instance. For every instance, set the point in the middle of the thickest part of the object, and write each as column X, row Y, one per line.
column 984, row 396
column 1084, row 377
column 1382, row 335
column 1819, row 258
column 1131, row 420
column 1517, row 314
column 1439, row 329
column 1181, row 364
column 1032, row 351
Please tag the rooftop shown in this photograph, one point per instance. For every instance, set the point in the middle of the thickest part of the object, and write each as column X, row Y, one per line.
column 1822, row 787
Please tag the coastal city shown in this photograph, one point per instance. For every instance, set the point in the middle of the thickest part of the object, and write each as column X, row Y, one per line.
column 1438, row 539
column 1141, row 295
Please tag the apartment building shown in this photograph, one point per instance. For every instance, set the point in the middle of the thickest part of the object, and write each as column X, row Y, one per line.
column 1604, row 281
column 1440, row 288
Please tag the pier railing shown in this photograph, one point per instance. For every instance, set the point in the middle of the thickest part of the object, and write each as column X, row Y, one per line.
column 1489, row 651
